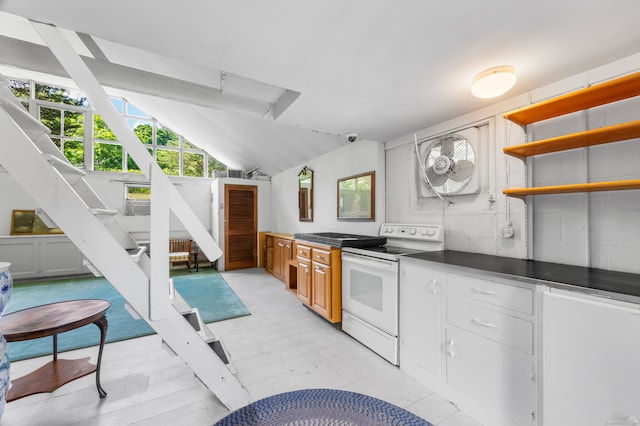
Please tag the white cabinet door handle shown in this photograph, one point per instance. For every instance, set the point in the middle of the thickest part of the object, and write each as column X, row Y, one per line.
column 434, row 287
column 280, row 244
column 483, row 291
column 451, row 348
column 483, row 323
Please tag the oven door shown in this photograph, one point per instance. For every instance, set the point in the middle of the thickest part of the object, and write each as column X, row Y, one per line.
column 370, row 290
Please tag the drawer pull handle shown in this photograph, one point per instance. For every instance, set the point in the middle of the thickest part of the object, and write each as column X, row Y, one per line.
column 483, row 323
column 320, row 271
column 434, row 288
column 451, row 348
column 483, row 291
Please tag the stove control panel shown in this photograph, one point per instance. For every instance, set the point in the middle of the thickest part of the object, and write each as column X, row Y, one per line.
column 413, row 232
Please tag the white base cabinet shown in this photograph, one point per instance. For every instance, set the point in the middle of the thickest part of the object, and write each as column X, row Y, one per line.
column 40, row 256
column 472, row 340
column 591, row 361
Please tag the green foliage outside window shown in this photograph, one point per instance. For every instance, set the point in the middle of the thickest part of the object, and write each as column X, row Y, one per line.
column 68, row 127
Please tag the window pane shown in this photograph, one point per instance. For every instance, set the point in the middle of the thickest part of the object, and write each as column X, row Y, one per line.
column 101, row 131
column 193, row 164
column 166, row 137
column 56, row 142
column 20, row 89
column 187, row 144
column 74, row 124
column 118, row 103
column 169, row 161
column 107, row 157
column 59, row 95
column 74, row 151
column 215, row 165
column 50, row 117
column 143, row 130
column 132, row 167
column 138, row 192
column 133, row 110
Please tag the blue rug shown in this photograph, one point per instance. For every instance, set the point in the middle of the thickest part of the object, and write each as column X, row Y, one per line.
column 322, row 407
column 206, row 291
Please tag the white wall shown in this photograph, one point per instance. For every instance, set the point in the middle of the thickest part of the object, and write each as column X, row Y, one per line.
column 110, row 189
column 217, row 209
column 352, row 159
column 600, row 230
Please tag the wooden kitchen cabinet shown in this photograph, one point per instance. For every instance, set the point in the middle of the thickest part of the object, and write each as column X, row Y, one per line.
column 279, row 252
column 590, row 361
column 320, row 279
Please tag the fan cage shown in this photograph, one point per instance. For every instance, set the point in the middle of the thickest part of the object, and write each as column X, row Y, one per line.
column 462, row 150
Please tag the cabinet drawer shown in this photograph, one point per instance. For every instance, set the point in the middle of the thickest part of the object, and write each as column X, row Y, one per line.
column 303, row 251
column 508, row 296
column 321, row 256
column 510, row 331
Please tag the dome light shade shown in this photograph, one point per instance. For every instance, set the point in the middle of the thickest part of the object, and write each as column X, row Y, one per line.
column 493, row 82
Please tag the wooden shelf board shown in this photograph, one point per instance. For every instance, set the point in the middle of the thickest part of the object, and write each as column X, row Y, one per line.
column 618, row 132
column 589, row 97
column 617, row 185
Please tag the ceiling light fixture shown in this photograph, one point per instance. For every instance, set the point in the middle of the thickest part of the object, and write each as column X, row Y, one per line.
column 493, row 82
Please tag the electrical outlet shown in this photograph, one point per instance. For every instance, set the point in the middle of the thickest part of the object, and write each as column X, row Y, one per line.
column 506, row 231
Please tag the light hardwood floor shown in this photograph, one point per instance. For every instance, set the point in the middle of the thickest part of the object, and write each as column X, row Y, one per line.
column 281, row 346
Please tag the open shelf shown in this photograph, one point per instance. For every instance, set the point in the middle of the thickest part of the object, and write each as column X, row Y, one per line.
column 599, row 136
column 618, row 185
column 598, row 94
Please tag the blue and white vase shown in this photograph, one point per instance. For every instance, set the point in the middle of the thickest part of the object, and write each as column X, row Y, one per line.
column 6, row 284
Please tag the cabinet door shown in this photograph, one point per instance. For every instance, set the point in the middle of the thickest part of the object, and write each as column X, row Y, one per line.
column 270, row 253
column 421, row 332
column 591, row 368
column 304, row 282
column 278, row 255
column 498, row 378
column 321, row 292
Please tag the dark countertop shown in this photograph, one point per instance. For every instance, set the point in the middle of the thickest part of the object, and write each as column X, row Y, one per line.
column 617, row 285
column 337, row 239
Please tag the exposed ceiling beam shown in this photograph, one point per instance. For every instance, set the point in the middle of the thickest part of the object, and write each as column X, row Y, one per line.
column 34, row 57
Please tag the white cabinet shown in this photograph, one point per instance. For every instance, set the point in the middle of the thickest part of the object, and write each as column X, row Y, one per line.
column 471, row 339
column 41, row 256
column 591, row 361
column 490, row 348
column 421, row 333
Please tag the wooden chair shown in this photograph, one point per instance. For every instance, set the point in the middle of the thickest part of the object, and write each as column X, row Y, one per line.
column 181, row 251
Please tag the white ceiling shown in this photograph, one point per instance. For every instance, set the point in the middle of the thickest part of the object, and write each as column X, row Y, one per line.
column 380, row 68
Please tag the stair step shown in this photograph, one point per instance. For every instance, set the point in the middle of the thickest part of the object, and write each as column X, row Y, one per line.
column 30, row 125
column 136, row 254
column 69, row 171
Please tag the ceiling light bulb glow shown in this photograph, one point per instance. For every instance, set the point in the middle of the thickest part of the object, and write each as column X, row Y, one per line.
column 493, row 82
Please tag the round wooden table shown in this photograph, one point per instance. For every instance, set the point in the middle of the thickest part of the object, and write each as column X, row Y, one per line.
column 51, row 320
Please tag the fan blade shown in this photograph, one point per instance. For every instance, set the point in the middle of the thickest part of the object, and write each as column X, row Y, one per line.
column 461, row 171
column 434, row 178
column 448, row 146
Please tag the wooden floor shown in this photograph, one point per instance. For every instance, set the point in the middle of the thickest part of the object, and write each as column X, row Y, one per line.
column 281, row 346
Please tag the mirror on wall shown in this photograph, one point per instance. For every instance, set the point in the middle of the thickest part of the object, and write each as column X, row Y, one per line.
column 305, row 195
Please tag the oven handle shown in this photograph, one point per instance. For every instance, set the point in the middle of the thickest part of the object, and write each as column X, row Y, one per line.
column 387, row 265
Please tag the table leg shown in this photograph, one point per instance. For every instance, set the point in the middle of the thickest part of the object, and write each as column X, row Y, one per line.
column 102, row 325
column 55, row 347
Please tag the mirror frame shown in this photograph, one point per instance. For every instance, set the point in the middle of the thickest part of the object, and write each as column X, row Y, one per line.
column 366, row 211
column 305, row 196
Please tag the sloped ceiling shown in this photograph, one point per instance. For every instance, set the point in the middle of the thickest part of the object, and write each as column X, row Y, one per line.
column 380, row 68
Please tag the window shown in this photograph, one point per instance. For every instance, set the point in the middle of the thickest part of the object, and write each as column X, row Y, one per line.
column 137, row 200
column 86, row 140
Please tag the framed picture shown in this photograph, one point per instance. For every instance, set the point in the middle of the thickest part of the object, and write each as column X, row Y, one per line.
column 27, row 222
column 356, row 198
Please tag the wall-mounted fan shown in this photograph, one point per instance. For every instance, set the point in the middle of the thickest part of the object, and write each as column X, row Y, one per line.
column 448, row 164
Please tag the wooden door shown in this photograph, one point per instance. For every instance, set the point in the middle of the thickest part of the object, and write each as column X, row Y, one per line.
column 241, row 226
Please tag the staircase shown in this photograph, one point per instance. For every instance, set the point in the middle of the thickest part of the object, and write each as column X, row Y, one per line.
column 29, row 155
